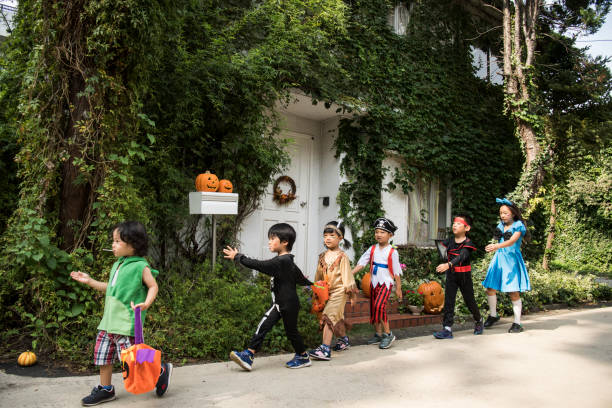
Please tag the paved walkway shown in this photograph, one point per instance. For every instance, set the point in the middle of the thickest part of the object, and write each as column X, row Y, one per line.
column 563, row 359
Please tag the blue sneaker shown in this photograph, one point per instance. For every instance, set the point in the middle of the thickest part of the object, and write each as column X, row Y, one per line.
column 478, row 327
column 320, row 353
column 243, row 358
column 444, row 334
column 299, row 361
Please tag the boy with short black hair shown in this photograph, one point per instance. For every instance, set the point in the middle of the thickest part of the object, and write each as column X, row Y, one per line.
column 458, row 276
column 284, row 276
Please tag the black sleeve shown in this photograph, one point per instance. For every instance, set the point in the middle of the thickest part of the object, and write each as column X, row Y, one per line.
column 300, row 279
column 464, row 255
column 269, row 267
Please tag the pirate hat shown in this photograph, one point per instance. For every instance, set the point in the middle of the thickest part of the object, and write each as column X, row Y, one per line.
column 385, row 224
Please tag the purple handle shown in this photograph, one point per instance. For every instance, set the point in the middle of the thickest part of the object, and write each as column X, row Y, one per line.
column 138, row 327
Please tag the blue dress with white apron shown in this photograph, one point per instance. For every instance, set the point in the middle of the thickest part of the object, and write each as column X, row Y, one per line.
column 507, row 271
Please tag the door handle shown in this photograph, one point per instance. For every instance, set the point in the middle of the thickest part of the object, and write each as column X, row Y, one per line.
column 303, row 204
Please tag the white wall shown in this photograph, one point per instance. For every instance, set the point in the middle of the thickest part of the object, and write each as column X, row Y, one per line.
column 395, row 204
column 252, row 239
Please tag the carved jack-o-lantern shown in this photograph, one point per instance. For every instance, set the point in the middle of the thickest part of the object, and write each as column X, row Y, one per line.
column 207, row 182
column 433, row 297
column 225, row 186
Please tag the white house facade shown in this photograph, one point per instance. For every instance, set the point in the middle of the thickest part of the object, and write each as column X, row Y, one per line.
column 311, row 129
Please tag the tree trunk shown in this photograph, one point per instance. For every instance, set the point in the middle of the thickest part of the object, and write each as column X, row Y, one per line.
column 519, row 23
column 74, row 198
column 551, row 232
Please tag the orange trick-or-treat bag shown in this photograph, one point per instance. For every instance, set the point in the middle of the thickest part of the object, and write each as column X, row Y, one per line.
column 320, row 295
column 141, row 364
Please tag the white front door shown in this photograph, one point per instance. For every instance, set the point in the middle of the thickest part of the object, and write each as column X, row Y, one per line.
column 294, row 213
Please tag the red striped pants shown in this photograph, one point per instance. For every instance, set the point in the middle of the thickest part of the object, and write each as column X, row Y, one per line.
column 378, row 303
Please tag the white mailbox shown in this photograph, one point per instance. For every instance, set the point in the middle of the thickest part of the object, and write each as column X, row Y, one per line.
column 202, row 202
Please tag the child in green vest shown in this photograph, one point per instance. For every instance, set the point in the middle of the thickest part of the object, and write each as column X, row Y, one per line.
column 131, row 284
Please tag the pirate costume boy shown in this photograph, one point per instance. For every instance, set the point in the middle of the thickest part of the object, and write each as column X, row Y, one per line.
column 384, row 268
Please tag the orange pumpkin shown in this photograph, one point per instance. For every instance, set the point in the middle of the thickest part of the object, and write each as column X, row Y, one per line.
column 207, row 182
column 433, row 297
column 365, row 284
column 320, row 295
column 27, row 358
column 225, row 186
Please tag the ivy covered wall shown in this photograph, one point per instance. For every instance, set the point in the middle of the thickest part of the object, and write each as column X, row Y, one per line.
column 424, row 104
column 109, row 110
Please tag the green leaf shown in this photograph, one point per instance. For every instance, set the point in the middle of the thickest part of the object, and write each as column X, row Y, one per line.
column 77, row 308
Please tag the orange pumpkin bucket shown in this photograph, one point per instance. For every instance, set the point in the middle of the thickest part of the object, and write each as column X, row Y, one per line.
column 140, row 363
column 320, row 295
column 365, row 284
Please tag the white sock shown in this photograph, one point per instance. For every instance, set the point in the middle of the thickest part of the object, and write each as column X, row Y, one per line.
column 492, row 305
column 448, row 328
column 517, row 305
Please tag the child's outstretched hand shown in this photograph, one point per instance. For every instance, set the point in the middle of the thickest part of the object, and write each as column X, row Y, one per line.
column 230, row 252
column 399, row 294
column 80, row 277
column 442, row 268
column 491, row 247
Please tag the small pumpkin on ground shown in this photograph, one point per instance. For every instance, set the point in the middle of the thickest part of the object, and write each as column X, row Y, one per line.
column 433, row 297
column 225, row 186
column 207, row 182
column 27, row 358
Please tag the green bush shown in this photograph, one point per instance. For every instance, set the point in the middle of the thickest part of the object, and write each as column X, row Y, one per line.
column 202, row 316
column 556, row 286
column 207, row 316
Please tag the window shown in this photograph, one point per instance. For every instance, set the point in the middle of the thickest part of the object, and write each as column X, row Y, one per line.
column 423, row 214
column 428, row 212
column 7, row 11
column 400, row 17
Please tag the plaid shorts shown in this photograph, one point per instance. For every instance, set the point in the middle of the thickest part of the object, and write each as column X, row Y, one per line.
column 108, row 347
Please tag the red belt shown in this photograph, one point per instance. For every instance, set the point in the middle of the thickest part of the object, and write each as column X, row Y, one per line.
column 467, row 268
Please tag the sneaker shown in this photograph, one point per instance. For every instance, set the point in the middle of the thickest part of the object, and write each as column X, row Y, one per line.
column 320, row 354
column 342, row 344
column 478, row 327
column 386, row 341
column 98, row 395
column 243, row 358
column 375, row 339
column 164, row 379
column 299, row 361
column 515, row 328
column 491, row 320
column 443, row 334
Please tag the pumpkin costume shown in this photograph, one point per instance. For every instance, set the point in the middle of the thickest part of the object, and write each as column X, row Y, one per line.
column 334, row 268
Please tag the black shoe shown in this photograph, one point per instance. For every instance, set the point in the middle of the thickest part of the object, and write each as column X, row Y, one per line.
column 515, row 328
column 491, row 320
column 164, row 379
column 98, row 395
